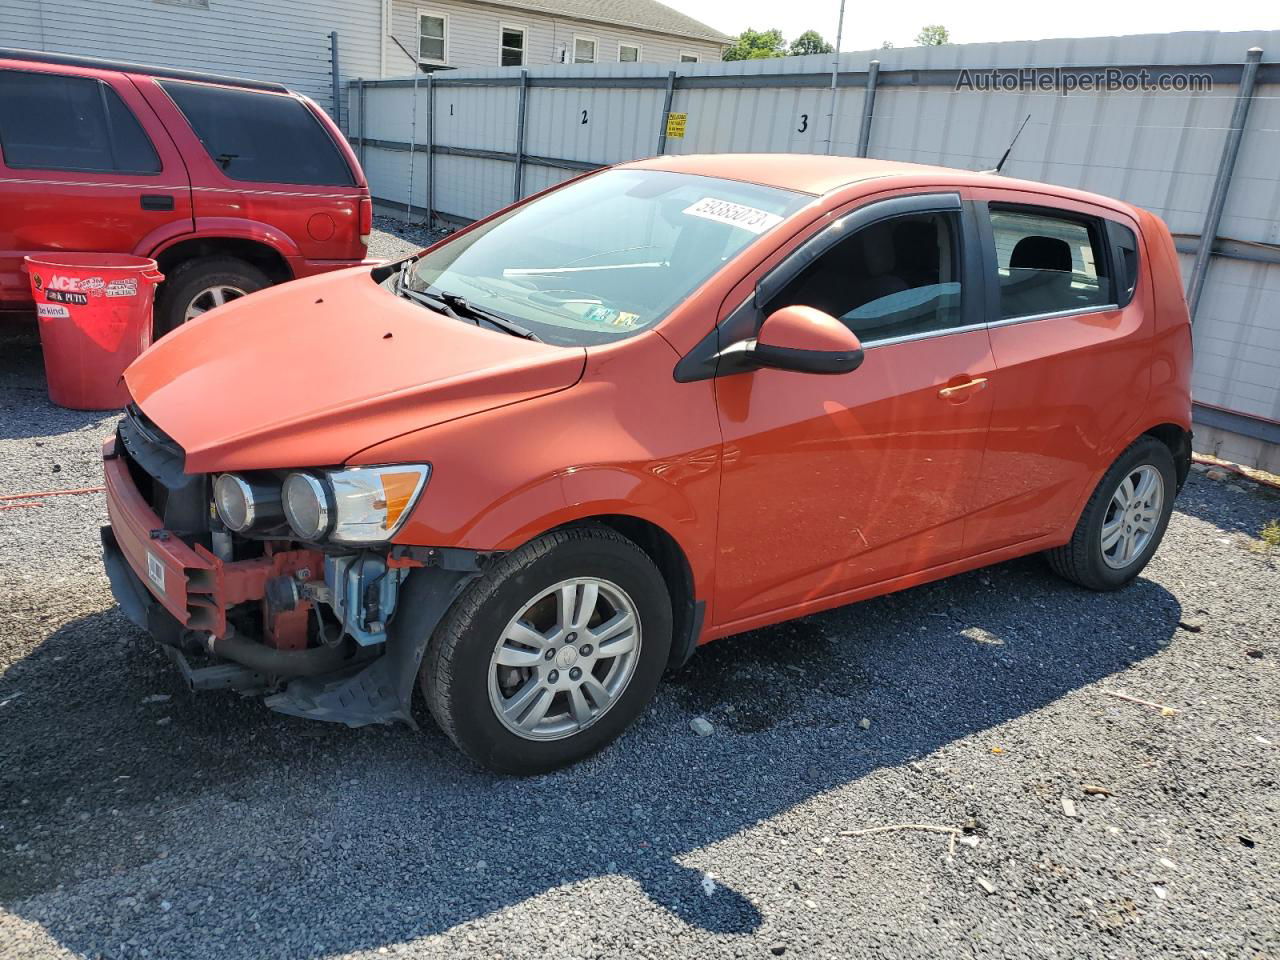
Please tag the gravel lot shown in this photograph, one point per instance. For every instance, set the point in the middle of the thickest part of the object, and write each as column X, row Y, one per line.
column 137, row 819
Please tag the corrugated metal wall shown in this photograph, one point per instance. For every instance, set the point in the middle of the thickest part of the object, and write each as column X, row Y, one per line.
column 1160, row 150
column 284, row 42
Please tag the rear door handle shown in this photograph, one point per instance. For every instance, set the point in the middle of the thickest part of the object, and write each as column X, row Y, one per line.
column 977, row 383
column 157, row 201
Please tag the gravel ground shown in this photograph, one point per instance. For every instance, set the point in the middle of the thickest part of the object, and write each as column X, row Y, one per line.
column 137, row 819
column 393, row 238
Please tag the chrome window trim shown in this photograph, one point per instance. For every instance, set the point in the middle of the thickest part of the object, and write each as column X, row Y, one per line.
column 923, row 335
column 1054, row 314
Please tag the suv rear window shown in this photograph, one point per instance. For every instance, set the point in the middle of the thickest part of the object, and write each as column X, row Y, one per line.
column 54, row 122
column 261, row 137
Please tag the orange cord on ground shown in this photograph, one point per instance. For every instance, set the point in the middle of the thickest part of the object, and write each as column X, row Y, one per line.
column 52, row 493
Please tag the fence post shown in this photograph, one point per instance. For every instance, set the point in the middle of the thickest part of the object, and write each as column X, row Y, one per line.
column 431, row 146
column 666, row 112
column 360, row 98
column 1218, row 199
column 518, row 187
column 868, row 107
column 336, row 76
column 835, row 77
column 413, row 145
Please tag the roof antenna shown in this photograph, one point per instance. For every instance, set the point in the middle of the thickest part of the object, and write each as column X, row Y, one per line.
column 1000, row 166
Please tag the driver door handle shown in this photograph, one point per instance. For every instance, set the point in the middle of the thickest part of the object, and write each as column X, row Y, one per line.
column 977, row 383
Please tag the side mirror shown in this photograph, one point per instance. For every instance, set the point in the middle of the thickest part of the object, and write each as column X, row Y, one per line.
column 802, row 339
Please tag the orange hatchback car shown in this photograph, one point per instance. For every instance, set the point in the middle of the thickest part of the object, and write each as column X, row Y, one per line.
column 537, row 464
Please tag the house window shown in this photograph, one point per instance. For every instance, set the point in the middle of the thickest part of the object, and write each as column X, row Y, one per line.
column 628, row 53
column 433, row 31
column 584, row 50
column 688, row 57
column 511, row 47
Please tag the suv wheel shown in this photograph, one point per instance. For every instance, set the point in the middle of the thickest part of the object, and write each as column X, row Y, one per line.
column 197, row 286
column 552, row 654
column 1124, row 520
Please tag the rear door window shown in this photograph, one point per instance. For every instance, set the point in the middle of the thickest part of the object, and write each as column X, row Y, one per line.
column 1049, row 264
column 54, row 122
column 261, row 137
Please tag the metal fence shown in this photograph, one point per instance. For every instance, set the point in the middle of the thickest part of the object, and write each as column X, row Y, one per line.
column 1186, row 125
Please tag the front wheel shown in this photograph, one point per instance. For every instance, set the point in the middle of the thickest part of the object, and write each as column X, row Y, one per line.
column 1124, row 520
column 552, row 654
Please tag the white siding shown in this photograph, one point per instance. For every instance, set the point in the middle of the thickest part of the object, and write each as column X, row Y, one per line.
column 283, row 42
column 473, row 37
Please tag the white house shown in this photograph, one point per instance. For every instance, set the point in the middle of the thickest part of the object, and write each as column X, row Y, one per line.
column 290, row 42
column 512, row 33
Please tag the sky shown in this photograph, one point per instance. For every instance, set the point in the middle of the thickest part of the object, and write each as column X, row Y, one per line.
column 868, row 25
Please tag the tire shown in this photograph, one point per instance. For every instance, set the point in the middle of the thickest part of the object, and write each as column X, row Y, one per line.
column 192, row 278
column 1083, row 559
column 466, row 687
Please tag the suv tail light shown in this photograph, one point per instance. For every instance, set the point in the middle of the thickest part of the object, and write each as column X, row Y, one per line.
column 366, row 220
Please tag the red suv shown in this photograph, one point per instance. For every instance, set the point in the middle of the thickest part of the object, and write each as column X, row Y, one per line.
column 231, row 185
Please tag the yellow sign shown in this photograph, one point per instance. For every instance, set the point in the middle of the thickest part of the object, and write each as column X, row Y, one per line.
column 675, row 124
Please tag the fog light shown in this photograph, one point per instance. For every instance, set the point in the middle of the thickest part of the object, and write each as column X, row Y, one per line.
column 306, row 505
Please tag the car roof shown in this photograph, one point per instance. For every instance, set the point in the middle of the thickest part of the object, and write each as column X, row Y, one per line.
column 818, row 174
column 160, row 73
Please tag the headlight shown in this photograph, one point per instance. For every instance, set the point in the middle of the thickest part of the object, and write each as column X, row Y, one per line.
column 243, row 503
column 359, row 505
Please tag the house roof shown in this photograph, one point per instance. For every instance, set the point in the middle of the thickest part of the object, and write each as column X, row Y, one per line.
column 639, row 14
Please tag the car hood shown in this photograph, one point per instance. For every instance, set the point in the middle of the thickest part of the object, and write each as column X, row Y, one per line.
column 312, row 372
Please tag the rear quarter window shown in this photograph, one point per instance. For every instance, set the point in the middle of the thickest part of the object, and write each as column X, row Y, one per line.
column 261, row 137
column 54, row 122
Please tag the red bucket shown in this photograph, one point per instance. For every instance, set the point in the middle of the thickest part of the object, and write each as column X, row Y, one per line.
column 94, row 311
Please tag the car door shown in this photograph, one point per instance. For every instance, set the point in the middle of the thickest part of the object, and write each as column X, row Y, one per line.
column 831, row 483
column 78, row 171
column 1071, row 336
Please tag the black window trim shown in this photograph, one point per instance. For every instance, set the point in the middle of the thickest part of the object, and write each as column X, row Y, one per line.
column 742, row 323
column 991, row 265
column 103, row 86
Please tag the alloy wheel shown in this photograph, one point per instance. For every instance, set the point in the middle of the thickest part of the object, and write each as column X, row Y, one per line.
column 564, row 659
column 207, row 299
column 1132, row 516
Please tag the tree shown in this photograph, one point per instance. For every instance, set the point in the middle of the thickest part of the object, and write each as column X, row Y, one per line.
column 756, row 45
column 933, row 35
column 809, row 42
column 887, row 45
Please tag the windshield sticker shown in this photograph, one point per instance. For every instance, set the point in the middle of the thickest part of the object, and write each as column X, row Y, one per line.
column 608, row 317
column 734, row 214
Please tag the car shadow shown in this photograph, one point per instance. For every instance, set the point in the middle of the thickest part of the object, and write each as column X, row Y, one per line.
column 125, row 797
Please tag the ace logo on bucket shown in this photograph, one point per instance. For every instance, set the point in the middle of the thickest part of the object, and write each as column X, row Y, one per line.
column 76, row 290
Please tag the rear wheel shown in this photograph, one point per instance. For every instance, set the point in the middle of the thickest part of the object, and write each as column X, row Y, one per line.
column 198, row 286
column 552, row 654
column 1124, row 520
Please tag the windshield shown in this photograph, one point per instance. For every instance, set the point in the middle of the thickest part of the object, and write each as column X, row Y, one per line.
column 605, row 258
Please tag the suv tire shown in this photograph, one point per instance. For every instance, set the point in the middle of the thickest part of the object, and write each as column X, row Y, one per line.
column 210, row 278
column 474, row 674
column 1107, row 560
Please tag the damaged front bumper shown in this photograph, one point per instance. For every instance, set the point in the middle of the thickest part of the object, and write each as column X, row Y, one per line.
column 191, row 601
